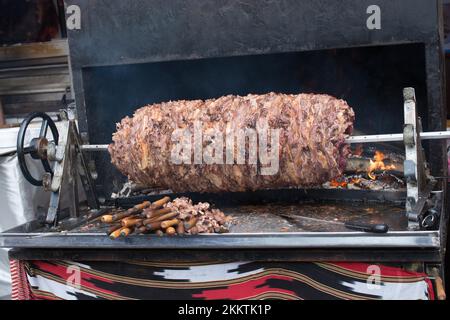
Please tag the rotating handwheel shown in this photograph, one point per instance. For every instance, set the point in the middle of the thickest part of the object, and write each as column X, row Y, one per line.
column 38, row 146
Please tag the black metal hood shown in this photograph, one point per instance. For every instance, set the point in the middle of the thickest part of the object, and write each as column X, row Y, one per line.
column 126, row 54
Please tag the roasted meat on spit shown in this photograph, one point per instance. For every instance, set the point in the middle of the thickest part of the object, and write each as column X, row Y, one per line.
column 310, row 132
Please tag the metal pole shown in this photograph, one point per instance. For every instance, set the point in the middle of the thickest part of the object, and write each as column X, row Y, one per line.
column 393, row 137
column 397, row 137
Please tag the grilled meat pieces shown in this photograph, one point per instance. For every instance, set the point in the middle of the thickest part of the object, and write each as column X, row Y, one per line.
column 309, row 131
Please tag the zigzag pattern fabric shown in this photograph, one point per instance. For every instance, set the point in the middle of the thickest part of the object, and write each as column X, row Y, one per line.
column 213, row 280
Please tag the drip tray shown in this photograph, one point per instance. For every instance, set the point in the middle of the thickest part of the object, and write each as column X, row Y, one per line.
column 255, row 227
column 313, row 217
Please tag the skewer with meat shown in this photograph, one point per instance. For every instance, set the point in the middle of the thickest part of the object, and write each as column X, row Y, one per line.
column 312, row 129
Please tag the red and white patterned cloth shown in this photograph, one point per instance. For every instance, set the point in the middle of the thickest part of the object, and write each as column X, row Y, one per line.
column 37, row 279
column 20, row 289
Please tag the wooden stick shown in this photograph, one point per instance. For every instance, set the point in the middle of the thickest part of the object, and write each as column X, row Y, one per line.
column 440, row 290
column 159, row 203
column 169, row 223
column 107, row 218
column 190, row 223
column 155, row 213
column 167, row 216
column 125, row 232
column 141, row 229
column 152, row 226
column 134, row 210
column 113, row 228
column 139, row 224
column 124, row 220
column 137, row 208
column 180, row 228
column 141, row 206
column 171, row 231
column 130, row 222
column 116, row 233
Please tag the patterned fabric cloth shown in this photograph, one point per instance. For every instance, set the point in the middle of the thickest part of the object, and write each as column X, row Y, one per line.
column 210, row 280
column 20, row 289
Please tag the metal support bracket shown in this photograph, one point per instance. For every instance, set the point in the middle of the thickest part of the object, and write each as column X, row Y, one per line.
column 66, row 171
column 414, row 166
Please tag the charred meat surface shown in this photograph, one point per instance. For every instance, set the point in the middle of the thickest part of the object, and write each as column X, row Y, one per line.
column 311, row 142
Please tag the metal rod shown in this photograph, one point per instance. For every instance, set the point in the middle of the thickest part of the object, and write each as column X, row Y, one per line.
column 94, row 147
column 375, row 138
column 436, row 135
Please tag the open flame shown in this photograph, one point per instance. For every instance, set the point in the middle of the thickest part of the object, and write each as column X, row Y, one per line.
column 344, row 182
column 377, row 164
column 358, row 181
column 336, row 184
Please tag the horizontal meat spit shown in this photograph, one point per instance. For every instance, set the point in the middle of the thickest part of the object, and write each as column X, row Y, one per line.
column 393, row 137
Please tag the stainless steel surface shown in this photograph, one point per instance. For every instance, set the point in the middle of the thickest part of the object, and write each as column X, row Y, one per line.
column 256, row 226
column 400, row 239
column 321, row 216
column 33, row 77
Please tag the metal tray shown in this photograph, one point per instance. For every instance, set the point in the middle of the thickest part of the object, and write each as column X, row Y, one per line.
column 258, row 224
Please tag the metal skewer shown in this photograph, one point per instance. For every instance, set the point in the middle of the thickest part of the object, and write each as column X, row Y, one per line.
column 436, row 135
column 94, row 147
column 393, row 137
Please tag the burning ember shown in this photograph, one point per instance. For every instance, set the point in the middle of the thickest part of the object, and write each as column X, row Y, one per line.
column 377, row 164
column 345, row 182
column 363, row 173
column 341, row 182
column 338, row 183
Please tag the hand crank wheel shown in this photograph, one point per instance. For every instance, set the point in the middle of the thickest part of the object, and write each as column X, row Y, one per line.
column 38, row 146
